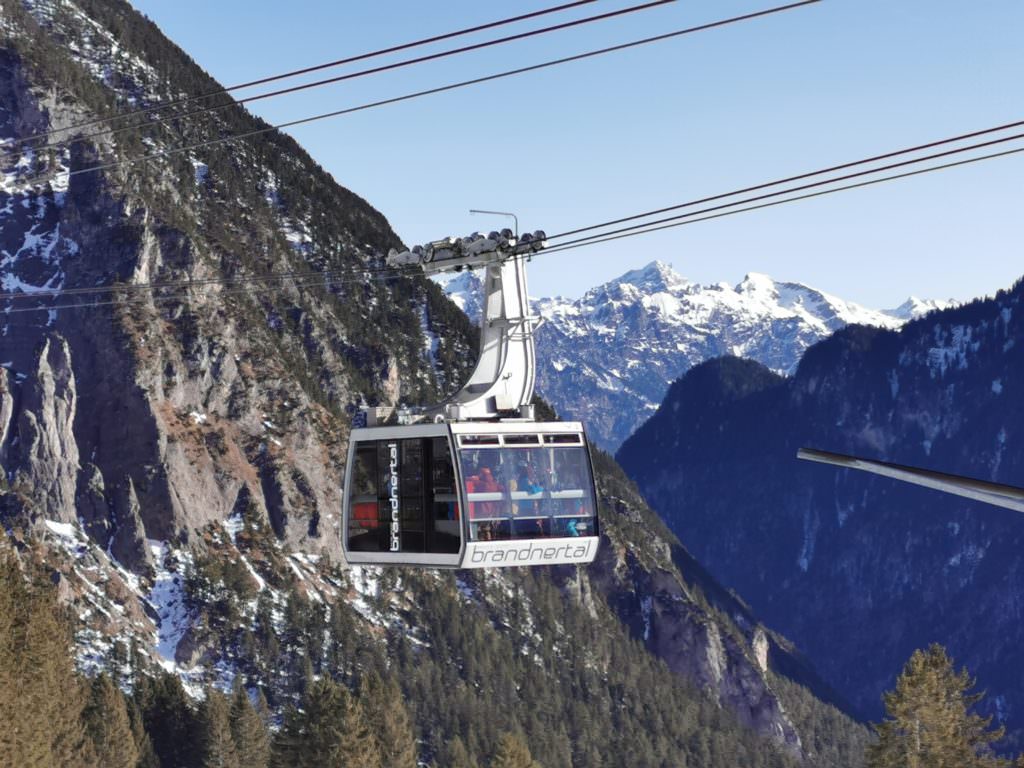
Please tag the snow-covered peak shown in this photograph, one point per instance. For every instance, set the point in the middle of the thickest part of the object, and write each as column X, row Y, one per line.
column 789, row 300
column 652, row 278
column 463, row 288
column 756, row 284
column 608, row 357
column 913, row 308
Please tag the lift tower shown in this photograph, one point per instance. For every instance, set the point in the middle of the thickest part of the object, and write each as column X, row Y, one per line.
column 501, row 385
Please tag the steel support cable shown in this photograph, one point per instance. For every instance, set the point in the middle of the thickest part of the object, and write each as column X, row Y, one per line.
column 192, row 283
column 202, row 282
column 371, row 71
column 308, row 70
column 790, row 190
column 390, row 273
column 323, row 279
column 772, row 204
column 445, row 88
column 799, row 177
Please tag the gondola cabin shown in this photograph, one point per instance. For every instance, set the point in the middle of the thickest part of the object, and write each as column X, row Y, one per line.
column 470, row 495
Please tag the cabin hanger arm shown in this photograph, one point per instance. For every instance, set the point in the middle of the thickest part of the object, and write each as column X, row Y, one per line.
column 501, row 385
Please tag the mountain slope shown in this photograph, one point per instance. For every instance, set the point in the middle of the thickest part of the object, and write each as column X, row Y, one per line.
column 860, row 570
column 609, row 357
column 174, row 456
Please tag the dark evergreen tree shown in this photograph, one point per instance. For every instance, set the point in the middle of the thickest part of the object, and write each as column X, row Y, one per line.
column 169, row 719
column 249, row 730
column 930, row 723
column 513, row 752
column 386, row 713
column 216, row 739
column 457, row 756
column 143, row 744
column 109, row 726
column 330, row 732
column 41, row 698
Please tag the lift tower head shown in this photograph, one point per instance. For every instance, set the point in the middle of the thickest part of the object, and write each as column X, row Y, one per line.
column 501, row 386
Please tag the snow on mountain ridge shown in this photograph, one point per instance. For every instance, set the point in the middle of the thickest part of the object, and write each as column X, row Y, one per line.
column 463, row 288
column 656, row 274
column 914, row 307
column 608, row 357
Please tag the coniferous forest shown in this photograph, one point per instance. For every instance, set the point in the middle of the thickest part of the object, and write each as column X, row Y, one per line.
column 362, row 712
column 56, row 716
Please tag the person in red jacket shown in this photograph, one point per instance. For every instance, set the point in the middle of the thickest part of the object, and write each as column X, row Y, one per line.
column 488, row 484
column 471, row 487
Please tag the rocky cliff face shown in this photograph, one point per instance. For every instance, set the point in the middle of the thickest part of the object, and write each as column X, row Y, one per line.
column 185, row 398
column 608, row 358
column 859, row 570
column 178, row 451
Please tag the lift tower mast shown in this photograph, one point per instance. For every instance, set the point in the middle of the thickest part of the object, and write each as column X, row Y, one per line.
column 501, row 385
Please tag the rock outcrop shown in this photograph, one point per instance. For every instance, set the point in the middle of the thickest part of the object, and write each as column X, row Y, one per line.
column 45, row 459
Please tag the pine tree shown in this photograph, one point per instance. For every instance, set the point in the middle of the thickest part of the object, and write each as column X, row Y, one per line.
column 929, row 722
column 330, row 732
column 218, row 744
column 513, row 752
column 143, row 744
column 458, row 755
column 249, row 731
column 20, row 740
column 384, row 708
column 109, row 725
column 41, row 696
column 168, row 718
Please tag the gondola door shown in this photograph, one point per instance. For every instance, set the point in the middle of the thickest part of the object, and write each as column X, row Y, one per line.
column 410, row 536
column 444, row 535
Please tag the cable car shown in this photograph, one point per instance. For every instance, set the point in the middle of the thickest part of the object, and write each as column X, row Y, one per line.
column 475, row 482
column 471, row 495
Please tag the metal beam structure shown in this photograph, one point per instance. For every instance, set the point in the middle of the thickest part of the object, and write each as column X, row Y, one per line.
column 501, row 385
column 1006, row 496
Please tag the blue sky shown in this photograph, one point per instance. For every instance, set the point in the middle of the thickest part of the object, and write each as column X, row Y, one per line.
column 638, row 130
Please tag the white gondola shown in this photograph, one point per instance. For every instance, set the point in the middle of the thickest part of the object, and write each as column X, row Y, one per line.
column 518, row 494
column 474, row 482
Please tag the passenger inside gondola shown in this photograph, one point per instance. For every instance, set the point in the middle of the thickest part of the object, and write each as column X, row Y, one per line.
column 528, row 492
column 526, row 482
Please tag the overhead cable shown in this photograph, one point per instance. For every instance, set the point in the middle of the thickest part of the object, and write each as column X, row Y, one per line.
column 201, row 282
column 376, row 70
column 322, row 279
column 584, row 242
column 799, row 177
column 648, row 226
column 800, row 188
column 444, row 88
column 391, row 273
column 308, row 70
